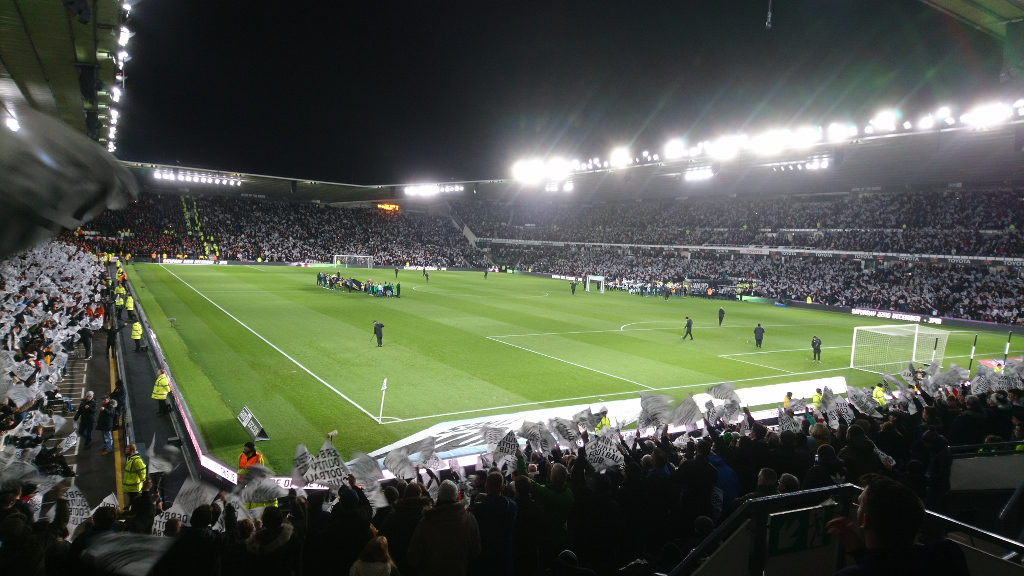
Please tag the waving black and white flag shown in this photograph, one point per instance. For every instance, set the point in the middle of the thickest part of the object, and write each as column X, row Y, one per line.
column 584, row 419
column 863, row 401
column 492, row 436
column 686, row 412
column 565, row 429
column 711, row 412
column 80, row 509
column 603, row 453
column 787, row 422
column 300, row 465
column 327, row 467
column 368, row 475
column 506, row 449
column 398, row 462
column 538, row 435
column 655, row 410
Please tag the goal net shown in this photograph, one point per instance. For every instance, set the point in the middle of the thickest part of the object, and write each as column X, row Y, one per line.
column 595, row 280
column 890, row 349
column 353, row 261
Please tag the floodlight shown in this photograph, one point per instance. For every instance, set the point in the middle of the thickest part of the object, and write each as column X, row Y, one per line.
column 926, row 123
column 841, row 131
column 551, row 187
column 115, row 94
column 675, row 149
column 770, row 142
column 568, row 187
column 126, row 34
column 987, row 115
column 869, row 129
column 620, row 157
column 943, row 112
column 528, row 171
column 907, row 125
column 557, row 169
column 726, row 147
column 12, row 124
column 885, row 121
column 824, row 163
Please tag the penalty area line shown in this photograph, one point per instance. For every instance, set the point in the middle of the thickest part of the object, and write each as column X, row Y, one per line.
column 271, row 344
column 571, row 363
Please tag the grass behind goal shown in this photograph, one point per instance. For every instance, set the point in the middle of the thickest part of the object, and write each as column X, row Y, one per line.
column 305, row 361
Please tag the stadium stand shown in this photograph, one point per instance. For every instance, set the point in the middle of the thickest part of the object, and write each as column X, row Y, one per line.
column 679, row 487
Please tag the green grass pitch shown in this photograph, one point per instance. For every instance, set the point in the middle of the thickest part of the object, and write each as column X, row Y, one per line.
column 305, row 361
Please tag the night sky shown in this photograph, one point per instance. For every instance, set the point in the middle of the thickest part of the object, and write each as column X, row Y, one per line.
column 389, row 92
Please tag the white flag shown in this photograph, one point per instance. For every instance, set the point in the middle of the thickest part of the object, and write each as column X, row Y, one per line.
column 327, row 467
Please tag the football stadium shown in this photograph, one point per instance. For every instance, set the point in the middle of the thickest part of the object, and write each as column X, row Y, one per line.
column 768, row 345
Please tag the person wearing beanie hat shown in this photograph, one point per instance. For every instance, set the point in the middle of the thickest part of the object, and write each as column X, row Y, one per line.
column 448, row 492
column 447, row 537
column 248, row 458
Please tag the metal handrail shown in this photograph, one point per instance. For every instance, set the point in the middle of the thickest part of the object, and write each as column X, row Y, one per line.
column 759, row 509
column 760, row 506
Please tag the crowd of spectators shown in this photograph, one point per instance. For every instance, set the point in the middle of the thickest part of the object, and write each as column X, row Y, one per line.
column 540, row 512
column 989, row 294
column 548, row 512
column 277, row 231
column 984, row 223
column 51, row 299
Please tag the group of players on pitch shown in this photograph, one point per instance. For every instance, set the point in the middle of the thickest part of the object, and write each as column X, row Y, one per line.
column 758, row 334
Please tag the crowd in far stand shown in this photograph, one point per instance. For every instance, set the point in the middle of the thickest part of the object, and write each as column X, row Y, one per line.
column 986, row 223
column 971, row 292
column 279, row 231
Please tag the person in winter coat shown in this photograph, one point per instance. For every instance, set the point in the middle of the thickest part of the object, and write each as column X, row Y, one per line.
column 86, row 418
column 447, row 538
column 495, row 516
column 940, row 468
column 375, row 560
column 828, row 470
column 859, row 455
column 105, row 423
column 276, row 549
column 556, row 499
column 400, row 525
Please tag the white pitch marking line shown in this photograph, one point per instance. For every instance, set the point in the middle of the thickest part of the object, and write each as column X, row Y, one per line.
column 572, row 363
column 756, row 364
column 601, row 396
column 269, row 343
column 254, row 267
column 623, row 327
column 578, row 332
column 774, row 351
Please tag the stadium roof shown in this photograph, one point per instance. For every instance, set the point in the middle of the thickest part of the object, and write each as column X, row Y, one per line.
column 53, row 62
column 62, row 59
column 989, row 16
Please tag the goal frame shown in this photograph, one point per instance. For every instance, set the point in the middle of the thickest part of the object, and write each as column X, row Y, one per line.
column 346, row 260
column 599, row 280
column 923, row 349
